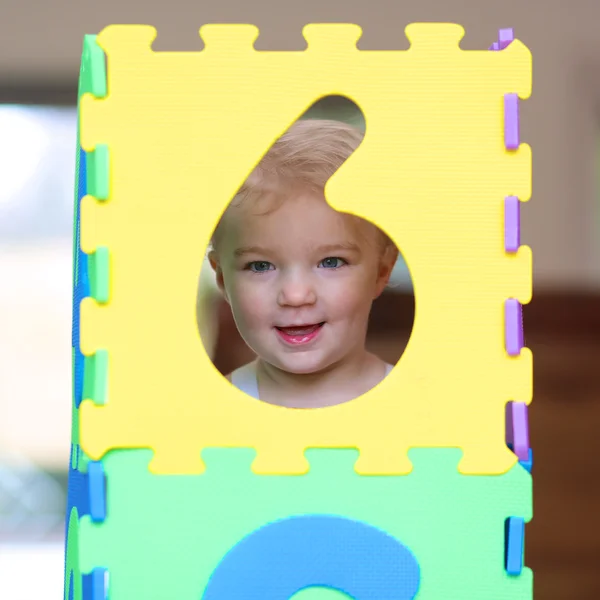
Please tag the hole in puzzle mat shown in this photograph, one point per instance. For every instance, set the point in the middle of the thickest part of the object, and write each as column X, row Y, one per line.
column 299, row 277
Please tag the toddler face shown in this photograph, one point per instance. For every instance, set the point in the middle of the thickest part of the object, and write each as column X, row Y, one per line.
column 300, row 281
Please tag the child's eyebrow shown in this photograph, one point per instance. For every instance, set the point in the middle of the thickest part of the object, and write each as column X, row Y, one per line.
column 249, row 250
column 335, row 247
column 326, row 248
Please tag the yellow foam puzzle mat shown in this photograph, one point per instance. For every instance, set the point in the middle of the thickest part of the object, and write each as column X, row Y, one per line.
column 165, row 141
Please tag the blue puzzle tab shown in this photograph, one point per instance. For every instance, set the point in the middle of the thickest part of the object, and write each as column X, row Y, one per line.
column 515, row 545
column 95, row 585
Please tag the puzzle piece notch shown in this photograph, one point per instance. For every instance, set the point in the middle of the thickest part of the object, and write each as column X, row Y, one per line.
column 281, row 558
column 333, row 459
column 229, row 38
column 310, row 460
column 376, row 457
column 327, row 37
column 424, row 36
column 332, row 38
column 217, row 37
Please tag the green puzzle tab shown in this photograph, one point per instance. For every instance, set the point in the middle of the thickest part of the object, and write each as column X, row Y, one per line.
column 165, row 534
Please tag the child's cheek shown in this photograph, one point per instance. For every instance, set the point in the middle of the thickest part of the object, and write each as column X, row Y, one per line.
column 250, row 302
column 348, row 303
column 351, row 298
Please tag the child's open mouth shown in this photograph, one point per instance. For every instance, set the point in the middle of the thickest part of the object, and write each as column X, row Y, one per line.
column 299, row 334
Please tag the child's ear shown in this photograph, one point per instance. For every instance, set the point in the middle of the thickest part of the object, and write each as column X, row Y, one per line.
column 386, row 266
column 213, row 259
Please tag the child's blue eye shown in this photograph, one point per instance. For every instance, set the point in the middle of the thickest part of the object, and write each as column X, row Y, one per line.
column 332, row 262
column 259, row 266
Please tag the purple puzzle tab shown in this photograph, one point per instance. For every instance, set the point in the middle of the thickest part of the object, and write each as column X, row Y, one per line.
column 513, row 327
column 509, row 434
column 512, row 224
column 511, row 121
column 505, row 37
column 520, row 430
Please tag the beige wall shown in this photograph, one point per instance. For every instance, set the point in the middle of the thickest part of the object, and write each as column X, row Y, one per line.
column 41, row 41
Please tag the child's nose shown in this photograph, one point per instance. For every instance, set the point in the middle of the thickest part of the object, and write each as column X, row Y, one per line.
column 297, row 291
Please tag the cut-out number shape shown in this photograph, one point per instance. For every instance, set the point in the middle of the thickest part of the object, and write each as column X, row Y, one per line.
column 320, row 593
column 284, row 557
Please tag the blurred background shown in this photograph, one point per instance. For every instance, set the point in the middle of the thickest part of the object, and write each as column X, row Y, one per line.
column 40, row 48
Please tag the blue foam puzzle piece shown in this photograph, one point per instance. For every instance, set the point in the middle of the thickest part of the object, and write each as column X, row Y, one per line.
column 515, row 545
column 97, row 491
column 87, row 491
column 528, row 464
column 78, row 492
column 82, row 284
column 81, row 191
column 78, row 497
column 282, row 558
column 95, row 585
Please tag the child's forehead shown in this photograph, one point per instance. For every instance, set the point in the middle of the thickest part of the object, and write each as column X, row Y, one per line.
column 301, row 217
column 310, row 209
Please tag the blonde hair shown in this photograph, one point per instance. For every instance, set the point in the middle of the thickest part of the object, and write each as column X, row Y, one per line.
column 303, row 158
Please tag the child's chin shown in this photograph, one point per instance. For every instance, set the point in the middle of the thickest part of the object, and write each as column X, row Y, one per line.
column 300, row 367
